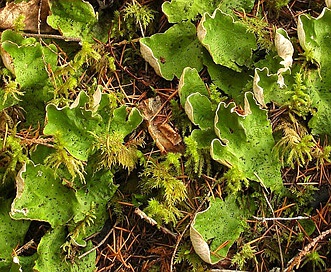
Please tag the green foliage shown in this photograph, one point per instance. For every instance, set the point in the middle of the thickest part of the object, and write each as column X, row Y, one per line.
column 215, row 96
column 61, row 156
column 28, row 60
column 199, row 109
column 15, row 155
column 161, row 175
column 234, row 46
column 53, row 259
column 295, row 145
column 317, row 79
column 34, row 181
column 83, row 225
column 315, row 45
column 111, row 147
column 67, row 78
column 76, row 131
column 300, row 102
column 179, row 117
column 306, row 91
column 198, row 159
column 113, row 151
column 142, row 14
column 185, row 254
column 315, row 259
column 193, row 96
column 105, row 63
column 85, row 55
column 236, row 181
column 19, row 23
column 12, row 232
column 162, row 212
column 246, row 253
column 214, row 230
column 132, row 18
column 302, row 196
column 322, row 155
column 10, row 92
column 259, row 27
column 266, row 87
column 277, row 4
column 170, row 52
column 190, row 83
column 238, row 134
column 223, row 78
column 228, row 6
column 74, row 19
column 181, row 10
column 71, row 125
column 70, row 208
column 245, row 141
column 52, row 158
column 121, row 28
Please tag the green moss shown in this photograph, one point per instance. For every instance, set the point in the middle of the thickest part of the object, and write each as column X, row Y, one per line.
column 171, row 191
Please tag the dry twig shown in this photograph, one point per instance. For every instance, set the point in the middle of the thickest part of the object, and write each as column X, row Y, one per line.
column 295, row 262
column 153, row 222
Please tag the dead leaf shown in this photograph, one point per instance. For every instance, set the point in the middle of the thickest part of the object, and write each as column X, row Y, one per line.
column 166, row 138
column 30, row 10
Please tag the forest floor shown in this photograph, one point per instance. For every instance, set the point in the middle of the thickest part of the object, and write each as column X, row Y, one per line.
column 137, row 245
column 131, row 240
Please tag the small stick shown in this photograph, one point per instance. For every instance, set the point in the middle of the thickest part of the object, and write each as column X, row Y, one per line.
column 280, row 218
column 276, row 227
column 181, row 235
column 297, row 259
column 25, row 247
column 153, row 222
column 163, row 105
column 126, row 42
column 100, row 244
column 226, row 270
column 51, row 36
